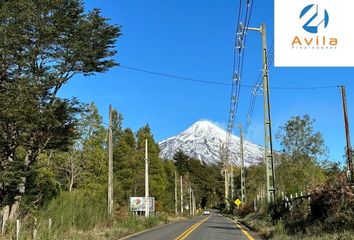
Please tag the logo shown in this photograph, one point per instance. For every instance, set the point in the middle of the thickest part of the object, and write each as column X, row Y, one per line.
column 313, row 33
column 315, row 18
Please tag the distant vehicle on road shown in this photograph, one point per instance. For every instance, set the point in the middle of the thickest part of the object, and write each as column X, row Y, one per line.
column 206, row 212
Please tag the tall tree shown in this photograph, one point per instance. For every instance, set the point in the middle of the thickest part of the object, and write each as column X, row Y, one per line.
column 128, row 170
column 181, row 162
column 299, row 168
column 158, row 179
column 117, row 122
column 94, row 149
column 43, row 45
column 68, row 167
column 298, row 138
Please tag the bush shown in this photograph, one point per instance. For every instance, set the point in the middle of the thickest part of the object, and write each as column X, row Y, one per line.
column 334, row 207
column 331, row 209
column 245, row 209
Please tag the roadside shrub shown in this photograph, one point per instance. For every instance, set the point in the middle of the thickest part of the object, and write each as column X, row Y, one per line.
column 334, row 207
column 245, row 209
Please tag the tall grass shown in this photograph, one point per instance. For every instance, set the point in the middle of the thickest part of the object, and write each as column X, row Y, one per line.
column 81, row 210
column 83, row 215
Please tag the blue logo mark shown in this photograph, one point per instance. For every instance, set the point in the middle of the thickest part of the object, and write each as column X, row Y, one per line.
column 317, row 18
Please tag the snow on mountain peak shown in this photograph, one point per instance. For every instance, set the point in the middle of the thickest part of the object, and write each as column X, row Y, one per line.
column 203, row 139
column 203, row 127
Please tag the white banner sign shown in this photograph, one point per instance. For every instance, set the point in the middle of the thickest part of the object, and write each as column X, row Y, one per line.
column 314, row 33
column 138, row 204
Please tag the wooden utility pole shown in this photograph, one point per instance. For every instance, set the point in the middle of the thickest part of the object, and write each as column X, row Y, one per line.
column 110, row 163
column 243, row 182
column 347, row 135
column 224, row 157
column 181, row 178
column 226, row 181
column 190, row 200
column 147, row 210
column 193, row 203
column 232, row 190
column 176, row 194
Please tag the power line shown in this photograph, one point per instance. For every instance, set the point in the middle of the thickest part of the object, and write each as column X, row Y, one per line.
column 238, row 62
column 238, row 67
column 196, row 80
column 256, row 88
column 305, row 88
column 175, row 76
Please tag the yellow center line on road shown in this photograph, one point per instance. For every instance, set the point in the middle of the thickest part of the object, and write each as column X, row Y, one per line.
column 242, row 229
column 191, row 229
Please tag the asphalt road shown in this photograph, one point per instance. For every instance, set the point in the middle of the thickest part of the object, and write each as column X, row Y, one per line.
column 210, row 227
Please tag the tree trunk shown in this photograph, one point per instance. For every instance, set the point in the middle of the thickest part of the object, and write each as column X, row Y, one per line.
column 71, row 182
column 21, row 190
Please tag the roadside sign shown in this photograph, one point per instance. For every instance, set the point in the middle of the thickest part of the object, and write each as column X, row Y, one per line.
column 237, row 202
column 137, row 204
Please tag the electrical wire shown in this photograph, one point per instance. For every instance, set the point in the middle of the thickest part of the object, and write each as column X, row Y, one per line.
column 257, row 86
column 175, row 76
column 201, row 81
column 238, row 68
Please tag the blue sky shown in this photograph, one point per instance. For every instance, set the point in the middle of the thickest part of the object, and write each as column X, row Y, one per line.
column 195, row 39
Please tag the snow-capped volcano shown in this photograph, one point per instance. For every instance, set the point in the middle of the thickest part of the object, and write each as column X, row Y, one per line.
column 203, row 139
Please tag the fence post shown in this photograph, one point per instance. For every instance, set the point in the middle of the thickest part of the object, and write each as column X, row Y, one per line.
column 286, row 200
column 5, row 217
column 309, row 202
column 18, row 226
column 255, row 205
column 49, row 223
column 34, row 233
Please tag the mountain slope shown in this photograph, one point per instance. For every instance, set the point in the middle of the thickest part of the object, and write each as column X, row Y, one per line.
column 202, row 140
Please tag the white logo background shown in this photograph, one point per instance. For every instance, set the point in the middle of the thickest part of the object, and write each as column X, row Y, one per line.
column 288, row 25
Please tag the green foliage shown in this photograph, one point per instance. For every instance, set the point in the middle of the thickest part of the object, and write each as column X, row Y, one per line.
column 82, row 214
column 255, row 179
column 81, row 210
column 298, row 167
column 84, row 165
column 206, row 180
column 298, row 139
column 42, row 186
column 128, row 170
column 294, row 177
column 43, row 45
column 158, row 179
column 94, row 153
column 168, row 198
column 181, row 162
